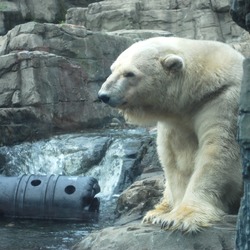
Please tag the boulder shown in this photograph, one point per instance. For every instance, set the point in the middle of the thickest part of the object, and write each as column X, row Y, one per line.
column 151, row 237
column 139, row 198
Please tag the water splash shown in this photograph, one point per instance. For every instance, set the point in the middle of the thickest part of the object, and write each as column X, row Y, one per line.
column 108, row 172
column 106, row 155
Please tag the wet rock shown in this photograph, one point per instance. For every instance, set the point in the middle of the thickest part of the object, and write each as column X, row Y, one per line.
column 69, row 154
column 140, row 197
column 114, row 157
column 150, row 237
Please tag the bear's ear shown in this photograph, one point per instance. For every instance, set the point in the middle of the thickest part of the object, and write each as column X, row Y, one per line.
column 172, row 62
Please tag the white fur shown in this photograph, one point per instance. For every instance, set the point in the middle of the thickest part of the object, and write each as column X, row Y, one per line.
column 190, row 89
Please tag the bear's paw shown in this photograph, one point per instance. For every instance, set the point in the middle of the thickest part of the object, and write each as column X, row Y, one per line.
column 160, row 209
column 188, row 219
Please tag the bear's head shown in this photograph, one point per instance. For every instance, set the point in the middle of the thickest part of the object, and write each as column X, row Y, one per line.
column 143, row 81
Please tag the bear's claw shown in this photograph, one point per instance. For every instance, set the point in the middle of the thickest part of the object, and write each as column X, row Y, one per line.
column 186, row 219
column 167, row 224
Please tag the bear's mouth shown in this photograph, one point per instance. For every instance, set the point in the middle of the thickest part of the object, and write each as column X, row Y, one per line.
column 117, row 105
column 123, row 105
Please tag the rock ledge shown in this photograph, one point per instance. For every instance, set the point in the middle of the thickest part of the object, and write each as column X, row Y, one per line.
column 150, row 237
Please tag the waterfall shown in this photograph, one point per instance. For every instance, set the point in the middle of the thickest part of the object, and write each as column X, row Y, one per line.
column 108, row 155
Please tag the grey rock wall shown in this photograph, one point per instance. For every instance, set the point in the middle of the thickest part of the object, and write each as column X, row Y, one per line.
column 35, row 97
column 94, row 51
column 53, row 72
column 13, row 12
column 198, row 19
column 58, row 102
column 50, row 74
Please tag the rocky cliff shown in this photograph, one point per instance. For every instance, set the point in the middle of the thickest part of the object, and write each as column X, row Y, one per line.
column 49, row 78
column 199, row 19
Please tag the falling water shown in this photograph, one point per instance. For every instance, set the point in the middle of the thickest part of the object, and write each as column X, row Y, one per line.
column 107, row 155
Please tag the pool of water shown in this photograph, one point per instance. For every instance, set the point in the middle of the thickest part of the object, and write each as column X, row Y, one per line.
column 110, row 156
column 18, row 234
column 31, row 235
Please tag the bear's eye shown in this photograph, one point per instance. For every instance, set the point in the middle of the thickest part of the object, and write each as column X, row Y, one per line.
column 128, row 74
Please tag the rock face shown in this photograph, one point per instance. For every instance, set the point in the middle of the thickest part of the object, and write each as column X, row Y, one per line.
column 243, row 224
column 44, row 91
column 94, row 51
column 13, row 12
column 32, row 87
column 140, row 197
column 199, row 19
column 53, row 86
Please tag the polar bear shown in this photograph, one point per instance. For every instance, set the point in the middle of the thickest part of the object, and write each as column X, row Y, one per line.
column 190, row 89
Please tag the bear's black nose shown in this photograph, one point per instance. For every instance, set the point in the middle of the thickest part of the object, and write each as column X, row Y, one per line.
column 104, row 97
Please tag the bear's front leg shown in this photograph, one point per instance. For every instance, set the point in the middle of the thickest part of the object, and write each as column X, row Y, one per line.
column 214, row 184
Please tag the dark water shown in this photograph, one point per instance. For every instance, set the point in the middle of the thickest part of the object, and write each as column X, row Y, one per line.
column 28, row 234
column 67, row 154
column 59, row 235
